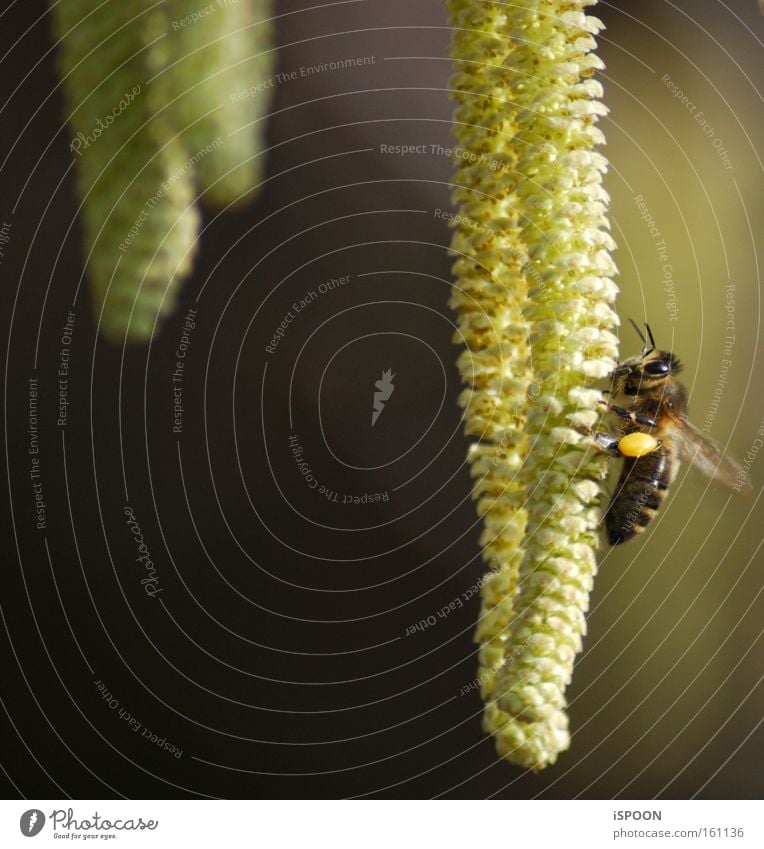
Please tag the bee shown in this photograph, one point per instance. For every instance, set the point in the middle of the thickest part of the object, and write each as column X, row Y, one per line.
column 654, row 435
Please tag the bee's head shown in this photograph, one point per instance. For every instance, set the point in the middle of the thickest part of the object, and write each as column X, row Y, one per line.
column 646, row 371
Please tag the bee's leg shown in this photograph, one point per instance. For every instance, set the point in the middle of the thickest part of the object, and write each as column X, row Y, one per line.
column 603, row 441
column 634, row 418
column 636, row 444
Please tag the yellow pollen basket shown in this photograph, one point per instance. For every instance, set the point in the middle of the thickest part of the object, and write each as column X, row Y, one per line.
column 637, row 444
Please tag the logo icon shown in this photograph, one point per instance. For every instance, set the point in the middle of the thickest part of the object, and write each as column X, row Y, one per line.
column 31, row 822
column 385, row 389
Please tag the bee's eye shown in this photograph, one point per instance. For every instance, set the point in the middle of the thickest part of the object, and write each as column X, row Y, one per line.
column 657, row 368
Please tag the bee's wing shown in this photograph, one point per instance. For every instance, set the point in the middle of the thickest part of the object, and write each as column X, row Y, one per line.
column 708, row 457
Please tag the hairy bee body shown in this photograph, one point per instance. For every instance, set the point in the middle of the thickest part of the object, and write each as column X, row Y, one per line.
column 640, row 492
column 648, row 399
column 657, row 405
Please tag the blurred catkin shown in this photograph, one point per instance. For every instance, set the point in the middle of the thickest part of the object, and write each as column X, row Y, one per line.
column 221, row 73
column 565, row 297
column 142, row 151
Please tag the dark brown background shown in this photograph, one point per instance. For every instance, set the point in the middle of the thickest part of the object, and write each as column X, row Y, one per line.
column 276, row 655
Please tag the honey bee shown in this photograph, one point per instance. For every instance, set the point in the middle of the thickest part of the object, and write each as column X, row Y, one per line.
column 654, row 435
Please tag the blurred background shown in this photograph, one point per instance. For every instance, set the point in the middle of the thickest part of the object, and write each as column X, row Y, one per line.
column 294, row 544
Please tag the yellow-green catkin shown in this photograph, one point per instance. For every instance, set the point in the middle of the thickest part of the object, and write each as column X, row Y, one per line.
column 221, row 72
column 142, row 152
column 139, row 236
column 564, row 231
column 489, row 297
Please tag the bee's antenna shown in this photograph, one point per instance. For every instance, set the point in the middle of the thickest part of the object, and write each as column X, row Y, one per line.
column 640, row 334
column 650, row 336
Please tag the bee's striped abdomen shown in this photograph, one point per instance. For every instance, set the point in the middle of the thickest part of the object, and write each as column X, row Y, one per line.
column 641, row 490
